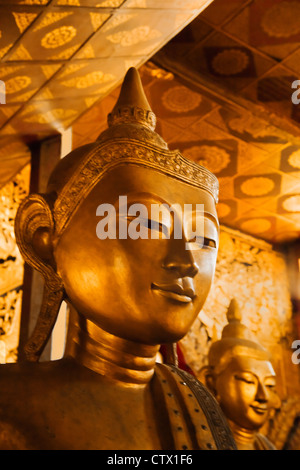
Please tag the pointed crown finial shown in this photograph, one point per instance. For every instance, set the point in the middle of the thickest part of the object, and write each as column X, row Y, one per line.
column 132, row 105
column 237, row 340
column 235, row 328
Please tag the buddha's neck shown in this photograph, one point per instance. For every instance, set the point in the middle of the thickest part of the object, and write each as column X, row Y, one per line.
column 244, row 438
column 126, row 362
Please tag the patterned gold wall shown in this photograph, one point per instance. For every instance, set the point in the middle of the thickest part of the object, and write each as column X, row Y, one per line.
column 250, row 271
column 11, row 266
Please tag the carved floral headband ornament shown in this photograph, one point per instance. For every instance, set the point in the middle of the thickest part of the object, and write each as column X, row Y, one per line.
column 129, row 139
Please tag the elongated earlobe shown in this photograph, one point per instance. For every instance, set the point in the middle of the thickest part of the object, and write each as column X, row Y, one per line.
column 42, row 244
column 52, row 299
column 34, row 227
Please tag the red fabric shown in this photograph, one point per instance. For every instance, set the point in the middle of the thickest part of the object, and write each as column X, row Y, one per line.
column 181, row 360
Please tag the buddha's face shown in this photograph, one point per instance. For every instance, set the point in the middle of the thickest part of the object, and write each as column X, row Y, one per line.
column 246, row 391
column 148, row 290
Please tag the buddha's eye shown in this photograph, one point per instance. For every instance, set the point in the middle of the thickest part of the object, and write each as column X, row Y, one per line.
column 204, row 242
column 245, row 379
column 161, row 231
column 157, row 227
column 270, row 386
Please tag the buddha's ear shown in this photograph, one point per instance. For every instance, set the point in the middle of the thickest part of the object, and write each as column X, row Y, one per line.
column 34, row 228
column 208, row 378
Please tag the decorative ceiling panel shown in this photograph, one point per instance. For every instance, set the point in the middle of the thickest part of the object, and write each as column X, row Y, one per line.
column 58, row 57
column 24, row 81
column 271, row 27
column 243, row 56
column 132, row 33
column 85, row 79
column 221, row 89
column 14, row 21
column 222, row 58
column 57, row 35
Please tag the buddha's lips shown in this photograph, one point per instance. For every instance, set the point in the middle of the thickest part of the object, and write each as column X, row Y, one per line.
column 175, row 291
column 259, row 409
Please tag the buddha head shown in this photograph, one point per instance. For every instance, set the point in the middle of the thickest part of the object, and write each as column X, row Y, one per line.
column 241, row 376
column 102, row 247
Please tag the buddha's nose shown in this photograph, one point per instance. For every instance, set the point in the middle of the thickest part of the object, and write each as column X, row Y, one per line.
column 180, row 259
column 261, row 393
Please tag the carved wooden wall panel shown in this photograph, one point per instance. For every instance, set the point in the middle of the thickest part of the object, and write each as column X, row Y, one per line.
column 11, row 266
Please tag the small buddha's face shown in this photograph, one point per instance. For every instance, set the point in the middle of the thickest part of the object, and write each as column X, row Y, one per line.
column 246, row 391
column 148, row 290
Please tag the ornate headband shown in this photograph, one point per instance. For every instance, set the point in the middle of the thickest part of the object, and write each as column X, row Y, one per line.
column 130, row 139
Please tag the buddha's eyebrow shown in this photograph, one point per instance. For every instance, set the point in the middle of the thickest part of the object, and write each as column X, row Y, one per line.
column 245, row 371
column 211, row 217
column 134, row 197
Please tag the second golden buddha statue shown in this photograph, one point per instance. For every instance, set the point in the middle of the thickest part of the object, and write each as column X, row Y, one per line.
column 127, row 296
column 241, row 376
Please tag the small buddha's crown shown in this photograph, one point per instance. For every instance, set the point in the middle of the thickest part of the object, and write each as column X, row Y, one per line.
column 235, row 329
column 236, row 340
column 129, row 139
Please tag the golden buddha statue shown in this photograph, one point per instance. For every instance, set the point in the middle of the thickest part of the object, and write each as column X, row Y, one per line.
column 127, row 296
column 241, row 377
